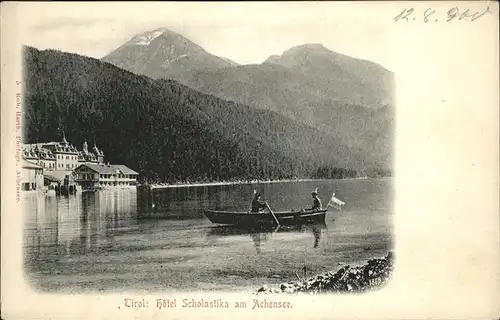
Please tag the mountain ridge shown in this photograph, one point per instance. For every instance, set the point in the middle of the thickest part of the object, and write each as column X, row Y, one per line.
column 159, row 61
column 308, row 83
column 321, row 47
column 347, row 98
column 170, row 132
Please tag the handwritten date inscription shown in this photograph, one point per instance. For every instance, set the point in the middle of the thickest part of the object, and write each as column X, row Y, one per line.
column 430, row 15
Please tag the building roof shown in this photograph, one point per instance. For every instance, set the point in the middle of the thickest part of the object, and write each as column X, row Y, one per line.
column 108, row 169
column 30, row 165
column 57, row 175
column 99, row 168
column 124, row 169
column 47, row 151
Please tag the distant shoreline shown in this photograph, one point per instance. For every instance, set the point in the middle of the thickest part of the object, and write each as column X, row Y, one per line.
column 230, row 183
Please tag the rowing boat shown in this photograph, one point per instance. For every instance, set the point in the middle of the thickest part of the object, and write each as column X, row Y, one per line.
column 257, row 219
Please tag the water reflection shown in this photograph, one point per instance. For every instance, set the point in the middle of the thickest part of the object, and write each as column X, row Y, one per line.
column 257, row 238
column 260, row 235
column 80, row 223
column 177, row 203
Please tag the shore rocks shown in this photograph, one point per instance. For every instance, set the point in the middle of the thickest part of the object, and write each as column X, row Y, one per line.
column 374, row 274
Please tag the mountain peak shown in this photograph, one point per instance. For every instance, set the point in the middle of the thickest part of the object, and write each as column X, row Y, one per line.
column 147, row 37
column 298, row 52
column 307, row 49
column 311, row 46
column 273, row 59
column 163, row 53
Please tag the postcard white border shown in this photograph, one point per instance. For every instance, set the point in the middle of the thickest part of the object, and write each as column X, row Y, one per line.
column 447, row 184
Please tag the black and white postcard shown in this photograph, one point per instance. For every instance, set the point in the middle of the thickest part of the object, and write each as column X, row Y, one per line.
column 291, row 160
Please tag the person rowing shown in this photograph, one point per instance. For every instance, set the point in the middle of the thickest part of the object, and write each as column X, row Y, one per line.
column 257, row 204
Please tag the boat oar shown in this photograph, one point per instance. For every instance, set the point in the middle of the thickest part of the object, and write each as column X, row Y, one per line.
column 272, row 213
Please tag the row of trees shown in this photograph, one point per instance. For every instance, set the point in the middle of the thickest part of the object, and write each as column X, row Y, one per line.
column 342, row 173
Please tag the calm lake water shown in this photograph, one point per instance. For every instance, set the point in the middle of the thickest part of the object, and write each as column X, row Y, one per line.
column 118, row 240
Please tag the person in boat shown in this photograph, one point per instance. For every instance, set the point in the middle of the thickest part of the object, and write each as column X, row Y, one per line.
column 316, row 201
column 257, row 204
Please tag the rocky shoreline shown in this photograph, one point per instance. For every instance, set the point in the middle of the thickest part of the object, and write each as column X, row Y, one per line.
column 373, row 275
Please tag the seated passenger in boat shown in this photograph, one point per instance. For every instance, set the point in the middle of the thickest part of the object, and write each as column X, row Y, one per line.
column 316, row 201
column 257, row 204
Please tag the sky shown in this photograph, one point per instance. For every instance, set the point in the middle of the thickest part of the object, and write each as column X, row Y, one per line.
column 243, row 32
column 432, row 61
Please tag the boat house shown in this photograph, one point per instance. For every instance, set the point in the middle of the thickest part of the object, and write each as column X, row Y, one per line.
column 96, row 176
column 62, row 181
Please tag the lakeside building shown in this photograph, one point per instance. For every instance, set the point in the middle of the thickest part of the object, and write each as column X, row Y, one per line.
column 31, row 176
column 61, row 155
column 66, row 169
column 94, row 176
